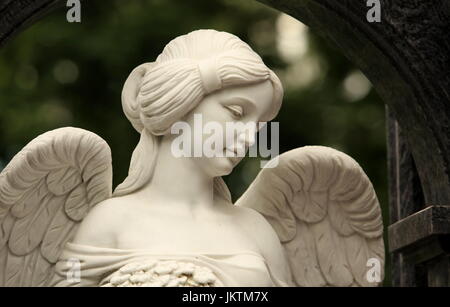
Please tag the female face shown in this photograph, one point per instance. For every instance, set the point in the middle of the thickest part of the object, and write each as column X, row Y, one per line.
column 228, row 121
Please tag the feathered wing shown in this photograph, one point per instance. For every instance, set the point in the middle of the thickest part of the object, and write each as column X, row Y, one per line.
column 326, row 213
column 45, row 192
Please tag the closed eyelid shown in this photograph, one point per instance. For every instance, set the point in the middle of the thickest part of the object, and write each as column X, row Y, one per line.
column 240, row 105
column 236, row 108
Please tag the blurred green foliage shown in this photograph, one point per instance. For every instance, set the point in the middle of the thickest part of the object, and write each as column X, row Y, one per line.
column 57, row 74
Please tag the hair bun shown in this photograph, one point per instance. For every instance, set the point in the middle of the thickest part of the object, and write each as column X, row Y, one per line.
column 130, row 91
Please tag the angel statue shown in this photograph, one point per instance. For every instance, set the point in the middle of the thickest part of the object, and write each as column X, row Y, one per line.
column 311, row 220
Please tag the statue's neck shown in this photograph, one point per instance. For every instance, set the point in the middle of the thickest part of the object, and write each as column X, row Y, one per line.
column 178, row 181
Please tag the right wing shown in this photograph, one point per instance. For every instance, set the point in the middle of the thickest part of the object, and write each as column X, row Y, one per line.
column 45, row 192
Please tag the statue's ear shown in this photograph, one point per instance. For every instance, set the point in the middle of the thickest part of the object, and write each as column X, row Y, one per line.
column 129, row 95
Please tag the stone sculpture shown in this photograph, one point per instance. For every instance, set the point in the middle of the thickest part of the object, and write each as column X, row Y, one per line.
column 310, row 219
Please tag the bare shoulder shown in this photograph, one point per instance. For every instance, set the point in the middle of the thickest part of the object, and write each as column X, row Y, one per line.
column 256, row 225
column 99, row 227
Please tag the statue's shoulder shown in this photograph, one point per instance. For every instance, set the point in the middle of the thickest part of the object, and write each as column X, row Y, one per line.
column 103, row 222
column 266, row 239
column 253, row 222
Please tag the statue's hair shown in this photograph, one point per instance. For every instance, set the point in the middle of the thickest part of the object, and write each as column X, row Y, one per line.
column 158, row 94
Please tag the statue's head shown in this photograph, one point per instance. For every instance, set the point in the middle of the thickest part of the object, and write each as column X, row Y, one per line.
column 205, row 72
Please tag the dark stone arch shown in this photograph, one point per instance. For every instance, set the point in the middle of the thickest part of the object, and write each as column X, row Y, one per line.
column 17, row 15
column 407, row 58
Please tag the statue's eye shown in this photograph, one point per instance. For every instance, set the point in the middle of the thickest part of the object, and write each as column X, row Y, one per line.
column 236, row 110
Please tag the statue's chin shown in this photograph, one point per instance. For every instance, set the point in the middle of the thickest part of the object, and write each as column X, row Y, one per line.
column 225, row 165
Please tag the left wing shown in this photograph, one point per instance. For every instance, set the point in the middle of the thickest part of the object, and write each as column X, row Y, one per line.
column 326, row 214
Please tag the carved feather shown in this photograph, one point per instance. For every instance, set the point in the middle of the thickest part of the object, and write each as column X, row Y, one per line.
column 303, row 260
column 331, row 255
column 27, row 270
column 30, row 201
column 63, row 180
column 310, row 206
column 339, row 220
column 56, row 235
column 42, row 270
column 14, row 270
column 75, row 206
column 29, row 231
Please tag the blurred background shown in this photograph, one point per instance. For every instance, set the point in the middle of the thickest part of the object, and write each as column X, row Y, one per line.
column 57, row 74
